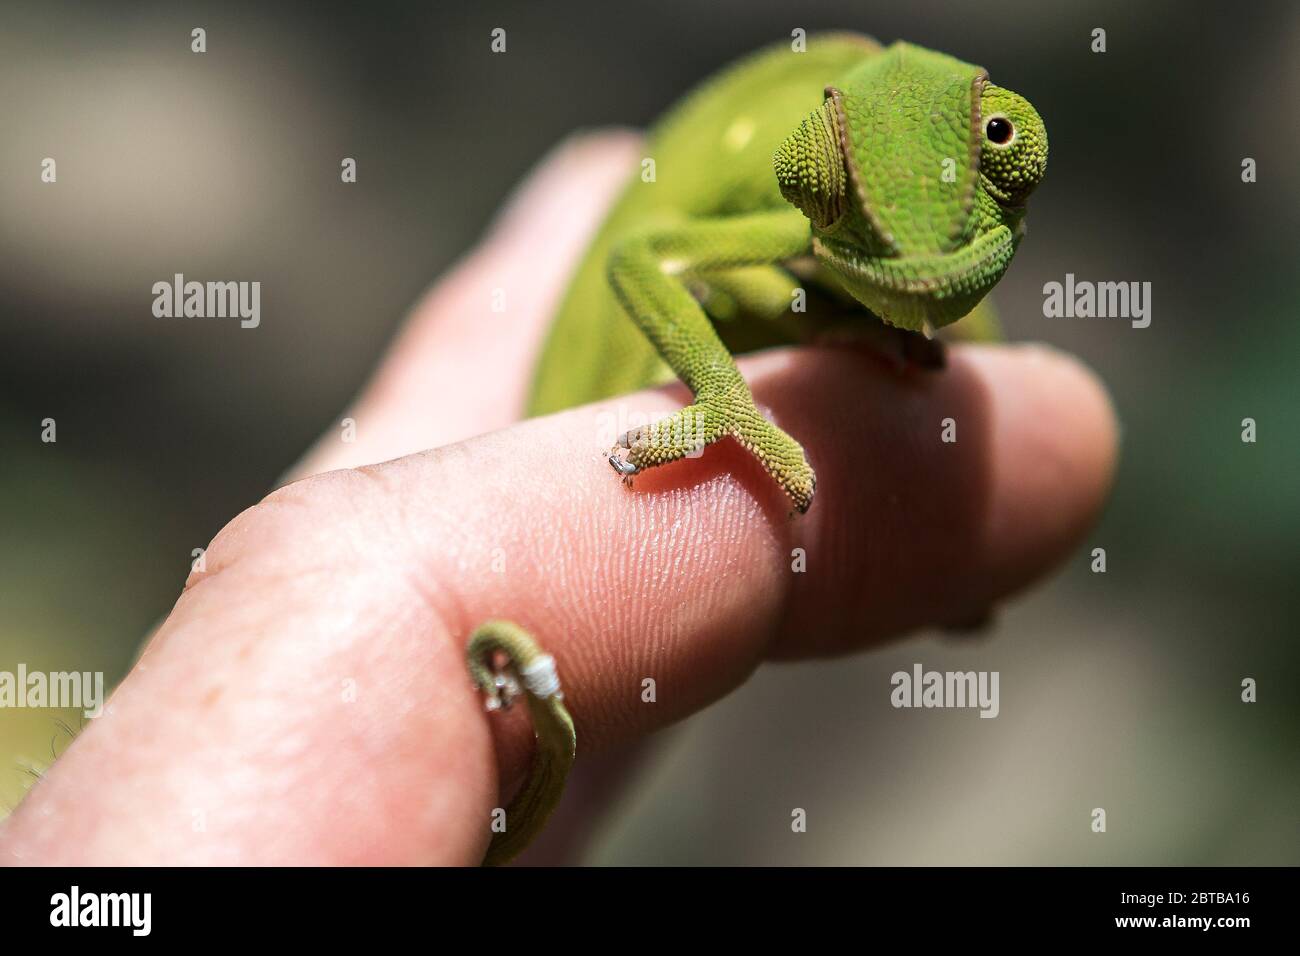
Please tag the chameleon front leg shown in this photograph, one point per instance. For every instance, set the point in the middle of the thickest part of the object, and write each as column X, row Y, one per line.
column 757, row 292
column 649, row 272
column 528, row 670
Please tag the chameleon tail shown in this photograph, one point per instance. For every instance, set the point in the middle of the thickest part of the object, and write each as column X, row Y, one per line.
column 529, row 670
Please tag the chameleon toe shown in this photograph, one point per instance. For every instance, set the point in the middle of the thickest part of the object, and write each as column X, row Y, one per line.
column 624, row 468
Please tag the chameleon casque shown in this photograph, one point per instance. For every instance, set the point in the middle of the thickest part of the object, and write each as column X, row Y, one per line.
column 888, row 184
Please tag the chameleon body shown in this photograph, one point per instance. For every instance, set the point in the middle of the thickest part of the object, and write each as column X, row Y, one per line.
column 884, row 187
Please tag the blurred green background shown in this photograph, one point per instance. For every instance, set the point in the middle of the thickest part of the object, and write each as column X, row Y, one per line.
column 1118, row 690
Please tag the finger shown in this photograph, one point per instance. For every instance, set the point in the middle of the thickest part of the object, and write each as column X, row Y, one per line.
column 373, row 579
column 451, row 374
column 691, row 577
column 463, row 363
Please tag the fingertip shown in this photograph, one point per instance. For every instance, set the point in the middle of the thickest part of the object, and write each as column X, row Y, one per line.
column 1054, row 443
column 939, row 493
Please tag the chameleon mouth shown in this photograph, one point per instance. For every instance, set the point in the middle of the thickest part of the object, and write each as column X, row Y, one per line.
column 964, row 271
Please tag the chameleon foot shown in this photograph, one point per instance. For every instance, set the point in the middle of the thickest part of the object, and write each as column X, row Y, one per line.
column 680, row 435
column 530, row 671
column 624, row 468
column 781, row 456
column 686, row 433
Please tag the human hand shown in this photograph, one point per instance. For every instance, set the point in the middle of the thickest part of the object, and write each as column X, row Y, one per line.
column 306, row 700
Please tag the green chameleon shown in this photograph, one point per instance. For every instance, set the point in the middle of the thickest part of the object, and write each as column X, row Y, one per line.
column 884, row 187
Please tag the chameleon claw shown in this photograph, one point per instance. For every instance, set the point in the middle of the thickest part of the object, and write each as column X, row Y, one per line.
column 502, row 693
column 507, row 689
column 624, row 468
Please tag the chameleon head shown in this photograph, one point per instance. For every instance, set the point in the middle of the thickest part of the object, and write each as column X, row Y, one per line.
column 914, row 175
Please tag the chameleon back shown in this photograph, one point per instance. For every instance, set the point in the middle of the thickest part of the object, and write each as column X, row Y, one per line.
column 713, row 156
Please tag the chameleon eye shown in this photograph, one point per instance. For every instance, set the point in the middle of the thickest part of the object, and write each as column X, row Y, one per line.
column 810, row 166
column 999, row 130
column 1014, row 156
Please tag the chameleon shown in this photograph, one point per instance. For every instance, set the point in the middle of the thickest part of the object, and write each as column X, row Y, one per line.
column 884, row 187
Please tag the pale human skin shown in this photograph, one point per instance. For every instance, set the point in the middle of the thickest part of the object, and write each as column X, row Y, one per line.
column 231, row 742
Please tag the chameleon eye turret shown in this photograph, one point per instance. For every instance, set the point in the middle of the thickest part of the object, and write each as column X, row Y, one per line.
column 810, row 168
column 1014, row 154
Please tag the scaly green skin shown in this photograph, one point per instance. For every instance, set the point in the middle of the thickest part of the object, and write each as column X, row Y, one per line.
column 528, row 671
column 887, row 184
column 889, row 196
